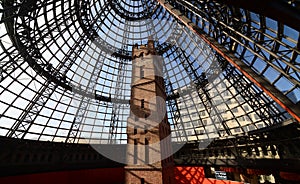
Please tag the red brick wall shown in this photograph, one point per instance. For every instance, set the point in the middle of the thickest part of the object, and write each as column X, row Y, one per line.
column 135, row 176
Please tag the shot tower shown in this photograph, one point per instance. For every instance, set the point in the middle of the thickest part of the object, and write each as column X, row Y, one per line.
column 147, row 127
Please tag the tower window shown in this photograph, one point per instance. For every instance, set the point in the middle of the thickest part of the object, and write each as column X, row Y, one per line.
column 146, row 151
column 135, row 152
column 135, row 131
column 142, row 103
column 142, row 72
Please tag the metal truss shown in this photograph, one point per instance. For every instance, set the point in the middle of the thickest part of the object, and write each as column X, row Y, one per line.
column 45, row 62
column 9, row 61
column 29, row 47
column 200, row 83
column 26, row 120
column 265, row 108
column 175, row 112
column 148, row 9
column 216, row 23
column 92, row 26
column 118, row 89
column 10, row 58
column 85, row 102
column 261, row 148
column 288, row 10
column 117, row 106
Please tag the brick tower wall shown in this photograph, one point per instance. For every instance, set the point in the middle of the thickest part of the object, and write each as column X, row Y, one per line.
column 147, row 124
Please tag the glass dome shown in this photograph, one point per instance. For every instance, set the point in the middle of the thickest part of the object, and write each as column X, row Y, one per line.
column 66, row 68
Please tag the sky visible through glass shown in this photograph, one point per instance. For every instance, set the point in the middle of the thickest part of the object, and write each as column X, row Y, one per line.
column 57, row 114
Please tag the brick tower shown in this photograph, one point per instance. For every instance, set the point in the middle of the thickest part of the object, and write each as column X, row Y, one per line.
column 148, row 130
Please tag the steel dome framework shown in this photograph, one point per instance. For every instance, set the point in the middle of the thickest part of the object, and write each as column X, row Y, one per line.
column 65, row 68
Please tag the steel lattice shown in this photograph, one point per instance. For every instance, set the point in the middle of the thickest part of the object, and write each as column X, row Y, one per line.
column 65, row 68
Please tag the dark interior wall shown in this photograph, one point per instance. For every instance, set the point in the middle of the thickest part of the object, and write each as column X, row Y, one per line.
column 183, row 175
column 91, row 176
